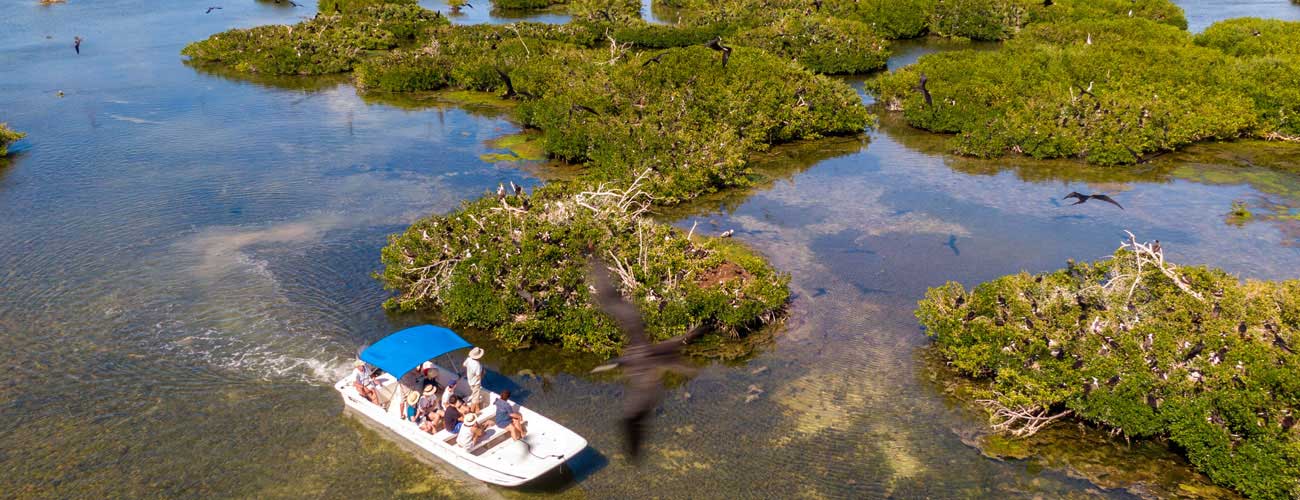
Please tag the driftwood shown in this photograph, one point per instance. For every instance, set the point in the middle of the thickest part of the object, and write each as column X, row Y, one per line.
column 1021, row 421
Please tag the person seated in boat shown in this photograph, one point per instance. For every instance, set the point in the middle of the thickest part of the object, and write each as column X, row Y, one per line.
column 364, row 382
column 409, row 408
column 471, row 431
column 451, row 415
column 449, row 392
column 508, row 416
column 428, row 414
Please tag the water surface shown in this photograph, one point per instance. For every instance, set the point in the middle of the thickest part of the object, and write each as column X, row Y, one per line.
column 185, row 262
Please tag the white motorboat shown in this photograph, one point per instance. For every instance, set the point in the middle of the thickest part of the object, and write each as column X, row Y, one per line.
column 496, row 458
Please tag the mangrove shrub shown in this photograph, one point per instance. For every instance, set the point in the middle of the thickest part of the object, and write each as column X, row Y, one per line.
column 8, row 136
column 1108, row 90
column 516, row 267
column 1143, row 348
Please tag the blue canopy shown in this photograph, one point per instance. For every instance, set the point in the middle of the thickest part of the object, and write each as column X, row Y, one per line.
column 400, row 352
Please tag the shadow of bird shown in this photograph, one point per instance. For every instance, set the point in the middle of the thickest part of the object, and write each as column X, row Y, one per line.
column 716, row 44
column 1085, row 197
column 210, row 9
column 952, row 243
column 643, row 363
column 924, row 91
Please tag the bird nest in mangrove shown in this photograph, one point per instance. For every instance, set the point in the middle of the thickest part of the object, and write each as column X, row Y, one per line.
column 1138, row 346
column 516, row 264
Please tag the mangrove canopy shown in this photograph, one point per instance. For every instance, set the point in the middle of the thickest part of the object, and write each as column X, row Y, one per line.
column 1143, row 348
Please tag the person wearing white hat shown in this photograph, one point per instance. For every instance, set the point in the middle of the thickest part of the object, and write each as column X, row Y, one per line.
column 364, row 381
column 474, row 374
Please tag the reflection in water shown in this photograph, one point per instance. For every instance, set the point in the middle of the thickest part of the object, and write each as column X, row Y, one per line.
column 186, row 256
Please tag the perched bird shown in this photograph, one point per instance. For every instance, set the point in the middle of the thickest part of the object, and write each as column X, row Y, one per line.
column 817, row 5
column 519, row 190
column 210, row 9
column 1047, row 3
column 924, row 91
column 1200, row 346
column 1281, row 342
column 76, row 44
column 1085, row 197
column 716, row 44
column 579, row 107
column 501, row 191
column 1089, row 40
column 510, row 86
column 642, row 362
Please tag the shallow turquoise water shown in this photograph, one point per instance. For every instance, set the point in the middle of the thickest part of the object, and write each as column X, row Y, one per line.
column 185, row 266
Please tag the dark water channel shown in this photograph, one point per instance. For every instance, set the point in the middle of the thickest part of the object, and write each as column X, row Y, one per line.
column 185, row 264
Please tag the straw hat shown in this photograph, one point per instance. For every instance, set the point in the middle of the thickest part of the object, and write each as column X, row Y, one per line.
column 429, row 390
column 412, row 397
column 476, row 353
column 470, row 418
column 358, row 363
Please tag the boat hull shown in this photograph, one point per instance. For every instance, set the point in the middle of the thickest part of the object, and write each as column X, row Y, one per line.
column 547, row 446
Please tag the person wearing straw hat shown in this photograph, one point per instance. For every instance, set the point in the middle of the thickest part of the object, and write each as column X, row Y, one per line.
column 409, row 408
column 474, row 374
column 364, row 382
column 470, row 432
column 427, row 413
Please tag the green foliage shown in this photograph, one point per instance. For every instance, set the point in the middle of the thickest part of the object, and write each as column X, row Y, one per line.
column 1212, row 369
column 823, row 44
column 525, row 4
column 892, row 19
column 605, row 11
column 354, row 6
column 1160, row 11
column 1110, row 91
column 977, row 19
column 1266, row 67
column 656, row 36
column 325, row 44
column 518, row 270
column 8, row 136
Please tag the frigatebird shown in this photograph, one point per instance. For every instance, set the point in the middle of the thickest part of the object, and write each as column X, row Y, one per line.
column 716, row 44
column 924, row 91
column 76, row 44
column 643, row 363
column 501, row 191
column 1085, row 197
column 654, row 59
column 210, row 9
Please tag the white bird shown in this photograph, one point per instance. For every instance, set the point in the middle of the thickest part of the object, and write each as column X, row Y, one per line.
column 727, row 233
column 1089, row 40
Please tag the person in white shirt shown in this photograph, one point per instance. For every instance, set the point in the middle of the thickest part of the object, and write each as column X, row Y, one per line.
column 364, row 382
column 470, row 432
column 474, row 374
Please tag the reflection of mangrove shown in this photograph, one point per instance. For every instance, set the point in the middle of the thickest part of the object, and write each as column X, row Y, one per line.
column 1026, row 169
column 781, row 162
column 274, row 81
column 1146, row 468
column 1105, row 87
column 1143, row 349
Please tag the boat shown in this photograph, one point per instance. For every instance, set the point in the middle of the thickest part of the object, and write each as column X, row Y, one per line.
column 496, row 459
